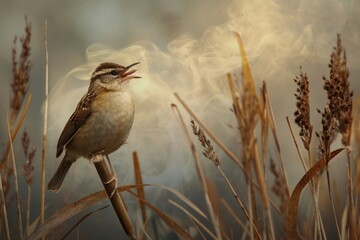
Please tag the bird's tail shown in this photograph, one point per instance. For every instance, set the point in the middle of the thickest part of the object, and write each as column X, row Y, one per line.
column 58, row 178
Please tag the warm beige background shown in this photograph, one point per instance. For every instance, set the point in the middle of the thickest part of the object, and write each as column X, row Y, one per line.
column 180, row 51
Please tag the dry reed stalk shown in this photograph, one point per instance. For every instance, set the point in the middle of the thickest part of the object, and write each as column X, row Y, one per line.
column 340, row 104
column 194, row 219
column 302, row 113
column 260, row 171
column 156, row 232
column 303, row 163
column 16, row 182
column 235, row 216
column 110, row 183
column 21, row 73
column 319, row 222
column 337, row 117
column 214, row 218
column 249, row 92
column 302, row 119
column 265, row 124
column 28, row 169
column 208, row 131
column 246, row 133
column 180, row 232
column 270, row 121
column 247, row 112
column 246, row 115
column 19, row 86
column 4, row 216
column 140, row 187
column 276, row 138
column 247, row 73
column 356, row 183
column 15, row 132
column 218, row 142
column 278, row 187
column 43, row 153
column 210, row 154
column 327, row 136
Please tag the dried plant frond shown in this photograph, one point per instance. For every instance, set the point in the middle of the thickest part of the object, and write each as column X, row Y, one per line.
column 328, row 133
column 246, row 108
column 302, row 113
column 249, row 105
column 279, row 187
column 28, row 167
column 21, row 72
column 208, row 152
column 339, row 93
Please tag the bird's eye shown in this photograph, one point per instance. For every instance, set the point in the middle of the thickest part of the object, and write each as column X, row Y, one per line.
column 114, row 72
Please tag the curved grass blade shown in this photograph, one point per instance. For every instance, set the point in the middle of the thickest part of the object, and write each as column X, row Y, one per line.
column 182, row 234
column 82, row 219
column 69, row 211
column 291, row 218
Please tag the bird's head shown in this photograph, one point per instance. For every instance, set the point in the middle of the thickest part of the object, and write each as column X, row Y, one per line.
column 112, row 77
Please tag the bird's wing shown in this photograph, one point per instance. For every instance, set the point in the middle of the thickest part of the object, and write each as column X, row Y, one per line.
column 76, row 121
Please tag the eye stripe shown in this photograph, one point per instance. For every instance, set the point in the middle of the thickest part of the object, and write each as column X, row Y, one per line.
column 105, row 72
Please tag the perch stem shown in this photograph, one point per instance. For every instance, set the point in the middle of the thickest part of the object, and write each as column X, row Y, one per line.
column 115, row 199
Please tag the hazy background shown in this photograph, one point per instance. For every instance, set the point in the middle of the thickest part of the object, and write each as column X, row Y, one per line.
column 183, row 46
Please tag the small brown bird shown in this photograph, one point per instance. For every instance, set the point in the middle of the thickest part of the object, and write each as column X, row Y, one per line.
column 101, row 121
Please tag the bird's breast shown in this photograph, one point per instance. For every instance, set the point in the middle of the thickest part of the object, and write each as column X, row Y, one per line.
column 112, row 115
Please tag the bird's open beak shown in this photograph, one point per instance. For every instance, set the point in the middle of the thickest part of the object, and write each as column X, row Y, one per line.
column 127, row 73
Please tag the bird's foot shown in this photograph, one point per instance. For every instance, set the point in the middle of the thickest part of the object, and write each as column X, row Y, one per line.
column 96, row 158
column 113, row 179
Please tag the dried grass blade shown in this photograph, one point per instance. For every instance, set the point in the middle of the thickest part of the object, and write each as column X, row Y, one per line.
column 218, row 142
column 81, row 220
column 239, row 202
column 193, row 218
column 43, row 155
column 245, row 62
column 332, row 201
column 296, row 144
column 4, row 210
column 32, row 226
column 71, row 210
column 16, row 182
column 21, row 119
column 291, row 218
column 182, row 234
column 320, row 225
column 182, row 198
column 139, row 184
column 208, row 131
column 234, row 215
column 276, row 138
column 200, row 172
column 16, row 130
column 155, row 229
column 235, row 99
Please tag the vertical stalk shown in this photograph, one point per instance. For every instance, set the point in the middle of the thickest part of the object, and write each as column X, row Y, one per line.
column 16, row 182
column 4, row 210
column 42, row 207
column 110, row 185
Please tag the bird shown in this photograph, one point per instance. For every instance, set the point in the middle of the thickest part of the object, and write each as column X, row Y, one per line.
column 101, row 122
